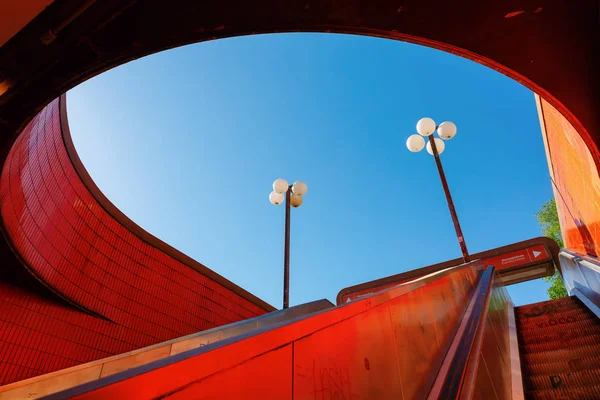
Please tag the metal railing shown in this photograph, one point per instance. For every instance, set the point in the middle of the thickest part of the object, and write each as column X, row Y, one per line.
column 581, row 275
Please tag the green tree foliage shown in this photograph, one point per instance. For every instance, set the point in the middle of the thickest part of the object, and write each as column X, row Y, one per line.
column 548, row 219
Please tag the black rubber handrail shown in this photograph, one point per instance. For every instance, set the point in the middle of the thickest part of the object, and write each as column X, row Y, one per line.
column 460, row 375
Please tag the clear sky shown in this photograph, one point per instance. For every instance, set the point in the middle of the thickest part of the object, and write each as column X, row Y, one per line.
column 187, row 143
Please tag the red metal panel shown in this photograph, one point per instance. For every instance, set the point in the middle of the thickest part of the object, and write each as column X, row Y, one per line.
column 493, row 378
column 354, row 359
column 70, row 242
column 519, row 258
column 538, row 252
column 256, row 378
column 370, row 348
column 424, row 324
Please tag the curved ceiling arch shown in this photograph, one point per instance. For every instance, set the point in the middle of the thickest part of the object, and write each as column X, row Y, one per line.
column 549, row 48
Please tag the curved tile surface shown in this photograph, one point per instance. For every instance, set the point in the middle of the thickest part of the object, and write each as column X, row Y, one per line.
column 126, row 288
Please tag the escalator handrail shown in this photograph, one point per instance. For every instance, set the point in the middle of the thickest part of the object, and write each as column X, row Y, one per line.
column 456, row 378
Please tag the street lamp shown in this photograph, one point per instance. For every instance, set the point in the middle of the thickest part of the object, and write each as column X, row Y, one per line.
column 292, row 194
column 435, row 146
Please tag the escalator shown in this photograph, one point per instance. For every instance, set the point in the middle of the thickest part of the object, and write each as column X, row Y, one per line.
column 453, row 333
column 43, row 385
column 559, row 343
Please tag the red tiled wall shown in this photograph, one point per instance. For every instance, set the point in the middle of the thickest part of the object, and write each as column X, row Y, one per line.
column 40, row 336
column 74, row 246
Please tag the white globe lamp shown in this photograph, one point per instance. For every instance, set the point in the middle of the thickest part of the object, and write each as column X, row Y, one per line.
column 415, row 143
column 447, row 130
column 280, row 185
column 425, row 126
column 439, row 145
column 276, row 198
column 296, row 200
column 299, row 188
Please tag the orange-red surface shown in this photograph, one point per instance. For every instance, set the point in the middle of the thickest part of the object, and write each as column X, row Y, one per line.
column 138, row 294
column 493, row 379
column 16, row 14
column 505, row 259
column 388, row 345
column 575, row 181
column 560, row 42
column 519, row 258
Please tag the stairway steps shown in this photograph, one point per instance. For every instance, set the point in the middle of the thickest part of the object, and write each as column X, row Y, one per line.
column 556, row 367
column 558, row 329
column 559, row 341
column 560, row 354
column 537, row 312
column 559, row 323
column 584, row 393
column 565, row 302
column 534, row 317
column 566, row 379
column 562, row 343
column 545, row 337
column 576, row 314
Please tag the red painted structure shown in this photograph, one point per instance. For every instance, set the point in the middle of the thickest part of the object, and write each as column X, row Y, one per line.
column 518, row 262
column 120, row 292
column 373, row 348
column 575, row 181
column 73, row 312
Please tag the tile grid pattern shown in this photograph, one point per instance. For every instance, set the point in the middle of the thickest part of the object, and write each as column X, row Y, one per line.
column 74, row 246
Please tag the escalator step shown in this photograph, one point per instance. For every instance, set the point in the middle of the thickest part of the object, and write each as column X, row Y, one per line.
column 565, row 343
column 576, row 313
column 549, row 312
column 546, row 336
column 557, row 367
column 560, row 354
column 551, row 324
column 558, row 322
column 585, row 393
column 525, row 317
column 559, row 342
column 565, row 302
column 565, row 380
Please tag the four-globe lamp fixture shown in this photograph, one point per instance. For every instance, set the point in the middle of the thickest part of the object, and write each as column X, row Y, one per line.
column 292, row 195
column 426, row 127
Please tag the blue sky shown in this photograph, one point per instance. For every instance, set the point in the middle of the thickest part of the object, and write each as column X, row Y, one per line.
column 187, row 143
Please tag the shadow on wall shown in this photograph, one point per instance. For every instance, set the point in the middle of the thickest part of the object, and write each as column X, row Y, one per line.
column 586, row 238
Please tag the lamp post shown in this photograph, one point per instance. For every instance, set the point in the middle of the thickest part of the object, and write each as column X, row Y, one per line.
column 292, row 194
column 426, row 127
